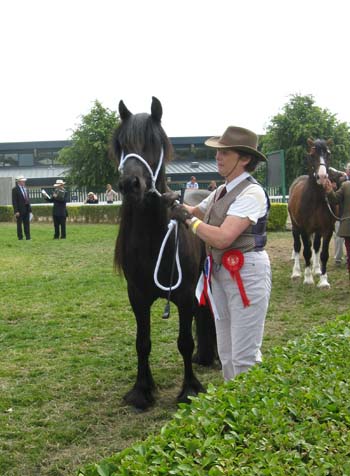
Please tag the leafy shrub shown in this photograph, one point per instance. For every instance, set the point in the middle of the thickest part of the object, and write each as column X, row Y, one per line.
column 6, row 213
column 278, row 217
column 290, row 415
column 109, row 214
column 76, row 213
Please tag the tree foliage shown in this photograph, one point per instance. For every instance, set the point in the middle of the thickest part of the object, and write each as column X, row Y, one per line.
column 302, row 119
column 87, row 157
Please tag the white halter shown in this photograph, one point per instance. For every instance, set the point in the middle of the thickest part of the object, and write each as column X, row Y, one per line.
column 154, row 176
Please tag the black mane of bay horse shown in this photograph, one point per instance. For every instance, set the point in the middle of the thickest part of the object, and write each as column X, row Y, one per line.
column 144, row 222
column 311, row 214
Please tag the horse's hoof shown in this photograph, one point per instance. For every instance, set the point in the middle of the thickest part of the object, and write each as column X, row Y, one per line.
column 190, row 390
column 139, row 400
column 309, row 282
column 295, row 276
column 323, row 282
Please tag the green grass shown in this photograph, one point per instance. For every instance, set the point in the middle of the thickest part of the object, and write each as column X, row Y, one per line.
column 67, row 346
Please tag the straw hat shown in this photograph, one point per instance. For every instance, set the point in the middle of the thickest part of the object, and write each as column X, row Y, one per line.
column 59, row 183
column 20, row 178
column 237, row 138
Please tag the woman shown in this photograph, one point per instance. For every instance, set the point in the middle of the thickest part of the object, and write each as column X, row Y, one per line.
column 232, row 223
column 110, row 194
column 341, row 197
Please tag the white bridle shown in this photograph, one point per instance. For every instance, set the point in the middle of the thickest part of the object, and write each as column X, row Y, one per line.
column 154, row 175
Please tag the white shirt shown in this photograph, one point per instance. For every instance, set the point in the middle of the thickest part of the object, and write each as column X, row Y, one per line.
column 250, row 203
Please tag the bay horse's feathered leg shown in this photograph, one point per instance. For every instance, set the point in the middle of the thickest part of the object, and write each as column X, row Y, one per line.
column 296, row 273
column 308, row 278
column 316, row 269
column 141, row 395
column 323, row 282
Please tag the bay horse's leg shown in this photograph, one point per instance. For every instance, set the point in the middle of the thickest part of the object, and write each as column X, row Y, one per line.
column 296, row 273
column 316, row 269
column 185, row 343
column 323, row 282
column 141, row 395
column 308, row 278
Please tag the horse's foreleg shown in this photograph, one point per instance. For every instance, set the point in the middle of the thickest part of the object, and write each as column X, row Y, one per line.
column 308, row 278
column 185, row 343
column 316, row 268
column 323, row 282
column 296, row 273
column 141, row 395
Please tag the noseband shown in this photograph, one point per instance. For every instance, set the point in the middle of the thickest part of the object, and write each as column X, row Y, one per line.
column 154, row 176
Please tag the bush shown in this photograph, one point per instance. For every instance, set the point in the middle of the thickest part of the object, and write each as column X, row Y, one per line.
column 278, row 217
column 76, row 213
column 6, row 213
column 290, row 415
column 109, row 214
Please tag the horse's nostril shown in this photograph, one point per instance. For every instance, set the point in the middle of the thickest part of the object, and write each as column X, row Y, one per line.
column 136, row 182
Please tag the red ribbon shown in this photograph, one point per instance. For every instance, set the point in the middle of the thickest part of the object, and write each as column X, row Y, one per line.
column 233, row 261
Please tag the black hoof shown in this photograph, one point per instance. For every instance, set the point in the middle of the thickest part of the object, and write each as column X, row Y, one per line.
column 190, row 390
column 141, row 400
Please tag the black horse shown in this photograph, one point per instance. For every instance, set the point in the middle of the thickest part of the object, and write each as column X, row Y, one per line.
column 142, row 148
column 311, row 214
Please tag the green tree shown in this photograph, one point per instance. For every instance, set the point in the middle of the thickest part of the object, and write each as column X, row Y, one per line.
column 87, row 157
column 301, row 119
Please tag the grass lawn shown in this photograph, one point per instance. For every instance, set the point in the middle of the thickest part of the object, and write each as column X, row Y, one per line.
column 67, row 346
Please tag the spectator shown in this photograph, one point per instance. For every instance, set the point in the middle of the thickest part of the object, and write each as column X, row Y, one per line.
column 91, row 198
column 21, row 207
column 110, row 194
column 192, row 183
column 212, row 186
column 59, row 199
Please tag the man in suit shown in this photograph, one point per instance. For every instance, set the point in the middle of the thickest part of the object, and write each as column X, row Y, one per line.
column 21, row 207
column 59, row 199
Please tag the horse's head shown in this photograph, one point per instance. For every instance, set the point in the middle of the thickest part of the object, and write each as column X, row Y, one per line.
column 141, row 148
column 319, row 158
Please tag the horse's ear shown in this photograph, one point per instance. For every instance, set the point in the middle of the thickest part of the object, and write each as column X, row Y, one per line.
column 124, row 111
column 156, row 109
column 329, row 142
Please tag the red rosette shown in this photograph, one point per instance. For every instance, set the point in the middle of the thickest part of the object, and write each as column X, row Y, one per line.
column 233, row 260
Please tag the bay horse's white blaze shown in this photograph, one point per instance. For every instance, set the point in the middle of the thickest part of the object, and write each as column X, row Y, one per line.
column 316, row 267
column 323, row 282
column 308, row 278
column 296, row 273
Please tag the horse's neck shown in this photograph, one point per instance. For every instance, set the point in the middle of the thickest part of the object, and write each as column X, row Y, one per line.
column 148, row 220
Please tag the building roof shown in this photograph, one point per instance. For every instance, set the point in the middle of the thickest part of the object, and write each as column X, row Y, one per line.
column 34, row 172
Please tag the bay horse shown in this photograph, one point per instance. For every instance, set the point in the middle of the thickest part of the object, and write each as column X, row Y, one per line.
column 311, row 216
column 141, row 147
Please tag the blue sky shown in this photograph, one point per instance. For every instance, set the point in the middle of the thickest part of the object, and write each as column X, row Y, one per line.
column 211, row 63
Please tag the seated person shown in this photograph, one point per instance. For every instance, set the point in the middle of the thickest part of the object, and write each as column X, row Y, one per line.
column 91, row 198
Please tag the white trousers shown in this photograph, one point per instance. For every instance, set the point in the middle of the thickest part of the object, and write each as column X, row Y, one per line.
column 240, row 329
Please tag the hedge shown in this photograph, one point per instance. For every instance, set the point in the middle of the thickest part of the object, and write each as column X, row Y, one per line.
column 109, row 214
column 290, row 415
column 76, row 213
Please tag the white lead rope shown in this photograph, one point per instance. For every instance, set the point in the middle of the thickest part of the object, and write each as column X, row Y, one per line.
column 172, row 224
